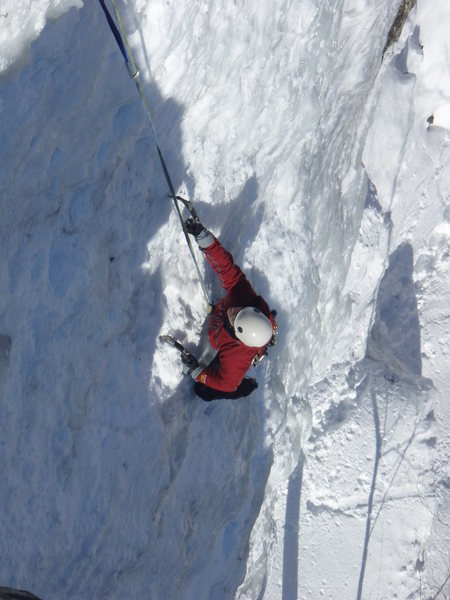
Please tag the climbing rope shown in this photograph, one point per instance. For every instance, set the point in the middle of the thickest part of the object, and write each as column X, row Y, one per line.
column 124, row 46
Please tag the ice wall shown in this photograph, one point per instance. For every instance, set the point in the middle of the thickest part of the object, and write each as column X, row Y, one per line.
column 118, row 481
column 22, row 22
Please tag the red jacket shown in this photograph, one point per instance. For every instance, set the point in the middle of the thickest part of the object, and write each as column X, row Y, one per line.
column 228, row 368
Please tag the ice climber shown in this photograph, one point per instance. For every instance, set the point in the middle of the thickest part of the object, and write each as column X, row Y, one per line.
column 241, row 326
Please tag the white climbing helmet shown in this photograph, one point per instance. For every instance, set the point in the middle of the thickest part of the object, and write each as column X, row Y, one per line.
column 252, row 327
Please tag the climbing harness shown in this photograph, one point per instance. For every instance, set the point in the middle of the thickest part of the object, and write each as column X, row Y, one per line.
column 122, row 42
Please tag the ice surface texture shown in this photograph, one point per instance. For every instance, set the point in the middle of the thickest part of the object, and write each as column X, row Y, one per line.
column 117, row 481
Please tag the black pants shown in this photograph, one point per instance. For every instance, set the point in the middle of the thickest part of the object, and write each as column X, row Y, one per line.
column 245, row 388
column 13, row 594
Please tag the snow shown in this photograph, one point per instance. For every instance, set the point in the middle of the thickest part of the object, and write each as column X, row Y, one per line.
column 22, row 22
column 317, row 164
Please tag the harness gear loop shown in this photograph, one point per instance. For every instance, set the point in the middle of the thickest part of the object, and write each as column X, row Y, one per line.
column 124, row 46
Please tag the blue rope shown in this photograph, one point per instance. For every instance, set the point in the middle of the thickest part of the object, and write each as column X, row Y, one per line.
column 134, row 73
column 115, row 31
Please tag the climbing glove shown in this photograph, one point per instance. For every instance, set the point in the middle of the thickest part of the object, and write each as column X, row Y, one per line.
column 203, row 237
column 193, row 226
column 190, row 364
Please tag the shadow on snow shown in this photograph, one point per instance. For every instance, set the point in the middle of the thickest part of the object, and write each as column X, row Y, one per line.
column 89, row 181
column 394, row 343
